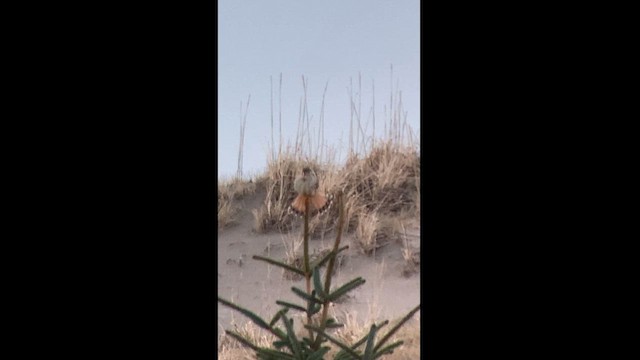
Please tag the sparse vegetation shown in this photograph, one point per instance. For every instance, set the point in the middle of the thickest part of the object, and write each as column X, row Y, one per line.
column 379, row 187
column 319, row 296
column 353, row 329
column 410, row 255
column 380, row 177
column 228, row 194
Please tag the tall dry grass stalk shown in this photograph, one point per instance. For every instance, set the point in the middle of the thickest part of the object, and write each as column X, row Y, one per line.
column 243, row 125
column 272, row 144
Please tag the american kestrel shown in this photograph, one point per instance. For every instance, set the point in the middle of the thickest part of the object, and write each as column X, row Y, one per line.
column 306, row 186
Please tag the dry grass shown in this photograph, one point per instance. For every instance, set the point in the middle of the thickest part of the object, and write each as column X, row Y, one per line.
column 382, row 185
column 278, row 183
column 411, row 261
column 386, row 180
column 380, row 177
column 226, row 213
column 274, row 215
column 295, row 258
column 410, row 334
column 367, row 232
column 231, row 349
column 228, row 194
column 353, row 330
column 382, row 188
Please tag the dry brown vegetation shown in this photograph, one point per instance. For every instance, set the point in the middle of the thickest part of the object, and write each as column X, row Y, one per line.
column 228, row 194
column 296, row 259
column 410, row 255
column 381, row 188
column 353, row 329
column 231, row 349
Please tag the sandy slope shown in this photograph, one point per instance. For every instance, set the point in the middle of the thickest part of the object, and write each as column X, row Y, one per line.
column 253, row 284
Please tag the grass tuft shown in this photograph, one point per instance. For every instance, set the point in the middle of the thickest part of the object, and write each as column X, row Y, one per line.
column 229, row 192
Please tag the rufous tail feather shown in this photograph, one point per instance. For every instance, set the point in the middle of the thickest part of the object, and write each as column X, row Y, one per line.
column 317, row 203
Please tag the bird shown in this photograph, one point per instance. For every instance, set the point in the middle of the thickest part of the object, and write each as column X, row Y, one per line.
column 306, row 186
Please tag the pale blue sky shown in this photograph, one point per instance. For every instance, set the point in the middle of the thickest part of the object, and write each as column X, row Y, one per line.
column 326, row 41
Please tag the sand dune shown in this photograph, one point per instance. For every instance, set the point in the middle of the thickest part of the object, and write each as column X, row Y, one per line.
column 256, row 285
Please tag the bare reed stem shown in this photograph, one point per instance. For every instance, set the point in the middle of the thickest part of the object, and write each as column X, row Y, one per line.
column 330, row 267
column 273, row 155
column 243, row 125
column 307, row 271
column 280, row 116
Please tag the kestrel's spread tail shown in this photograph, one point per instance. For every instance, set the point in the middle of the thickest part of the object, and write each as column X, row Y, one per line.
column 317, row 202
column 306, row 185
